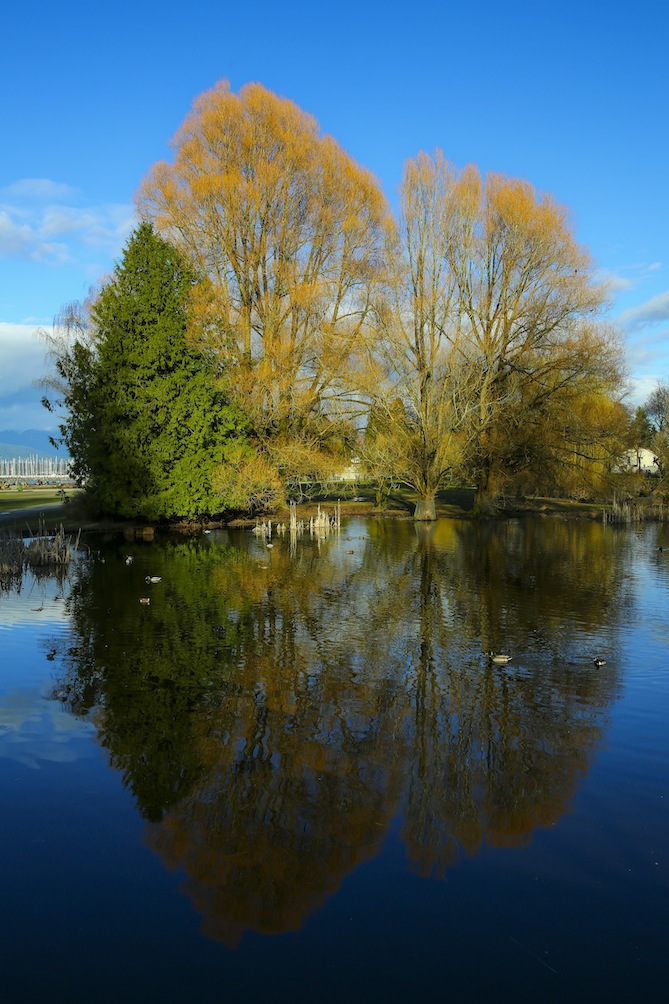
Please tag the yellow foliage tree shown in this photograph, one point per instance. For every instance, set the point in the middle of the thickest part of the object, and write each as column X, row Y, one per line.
column 528, row 305
column 418, row 387
column 490, row 344
column 287, row 232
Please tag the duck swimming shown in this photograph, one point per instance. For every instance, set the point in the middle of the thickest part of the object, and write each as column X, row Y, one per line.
column 498, row 659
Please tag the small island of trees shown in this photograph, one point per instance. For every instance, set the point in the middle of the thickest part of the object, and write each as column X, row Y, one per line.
column 271, row 316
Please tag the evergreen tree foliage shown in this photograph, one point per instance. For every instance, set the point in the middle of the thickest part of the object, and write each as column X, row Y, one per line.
column 147, row 424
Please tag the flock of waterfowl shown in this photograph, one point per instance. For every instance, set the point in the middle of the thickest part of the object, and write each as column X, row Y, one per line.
column 499, row 659
column 150, row 579
column 496, row 658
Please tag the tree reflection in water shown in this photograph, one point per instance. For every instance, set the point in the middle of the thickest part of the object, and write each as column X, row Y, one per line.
column 272, row 711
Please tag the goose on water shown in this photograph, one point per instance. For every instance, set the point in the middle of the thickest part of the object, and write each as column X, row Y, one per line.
column 499, row 659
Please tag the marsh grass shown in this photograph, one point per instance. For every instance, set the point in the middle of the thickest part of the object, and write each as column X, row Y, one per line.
column 628, row 513
column 47, row 550
column 12, row 550
column 41, row 551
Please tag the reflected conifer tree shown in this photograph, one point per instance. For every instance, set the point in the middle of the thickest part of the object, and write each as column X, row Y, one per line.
column 271, row 709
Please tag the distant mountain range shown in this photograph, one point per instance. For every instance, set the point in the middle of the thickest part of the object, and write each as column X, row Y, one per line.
column 28, row 443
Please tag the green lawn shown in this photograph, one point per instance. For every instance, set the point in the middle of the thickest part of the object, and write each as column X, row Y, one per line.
column 11, row 499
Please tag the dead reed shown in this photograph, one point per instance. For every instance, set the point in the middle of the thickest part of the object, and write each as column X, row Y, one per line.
column 43, row 551
column 12, row 551
column 628, row 512
column 57, row 549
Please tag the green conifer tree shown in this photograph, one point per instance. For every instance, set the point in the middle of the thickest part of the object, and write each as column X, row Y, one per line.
column 148, row 423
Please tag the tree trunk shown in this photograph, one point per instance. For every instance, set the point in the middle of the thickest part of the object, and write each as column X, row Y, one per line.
column 425, row 509
column 485, row 503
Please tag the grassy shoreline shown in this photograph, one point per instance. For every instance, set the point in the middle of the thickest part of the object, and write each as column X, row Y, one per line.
column 26, row 510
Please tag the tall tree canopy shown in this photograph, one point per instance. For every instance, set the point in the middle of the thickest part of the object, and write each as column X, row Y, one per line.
column 491, row 339
column 146, row 425
column 469, row 328
column 288, row 233
column 528, row 306
column 420, row 393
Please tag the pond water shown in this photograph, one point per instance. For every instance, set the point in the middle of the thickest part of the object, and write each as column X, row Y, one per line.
column 294, row 775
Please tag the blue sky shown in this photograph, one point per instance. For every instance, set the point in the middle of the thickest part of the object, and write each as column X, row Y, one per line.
column 572, row 97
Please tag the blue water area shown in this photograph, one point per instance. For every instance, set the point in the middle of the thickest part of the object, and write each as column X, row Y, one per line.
column 296, row 775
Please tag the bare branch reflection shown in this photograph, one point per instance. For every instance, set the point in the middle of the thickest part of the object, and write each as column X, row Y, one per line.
column 272, row 712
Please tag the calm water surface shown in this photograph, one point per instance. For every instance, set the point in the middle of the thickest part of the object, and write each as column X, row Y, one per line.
column 295, row 776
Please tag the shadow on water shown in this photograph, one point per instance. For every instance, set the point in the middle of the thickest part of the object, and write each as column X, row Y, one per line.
column 274, row 710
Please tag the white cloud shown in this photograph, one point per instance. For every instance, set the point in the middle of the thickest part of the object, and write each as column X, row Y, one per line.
column 22, row 358
column 653, row 311
column 19, row 240
column 27, row 414
column 628, row 277
column 95, row 227
column 648, row 359
column 648, row 348
column 616, row 283
column 59, row 220
column 44, row 221
column 51, row 239
column 641, row 388
column 34, row 730
column 15, row 238
column 38, row 189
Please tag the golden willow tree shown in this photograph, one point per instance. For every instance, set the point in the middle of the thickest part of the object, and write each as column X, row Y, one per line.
column 287, row 234
column 470, row 325
column 529, row 332
column 496, row 367
column 420, row 393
